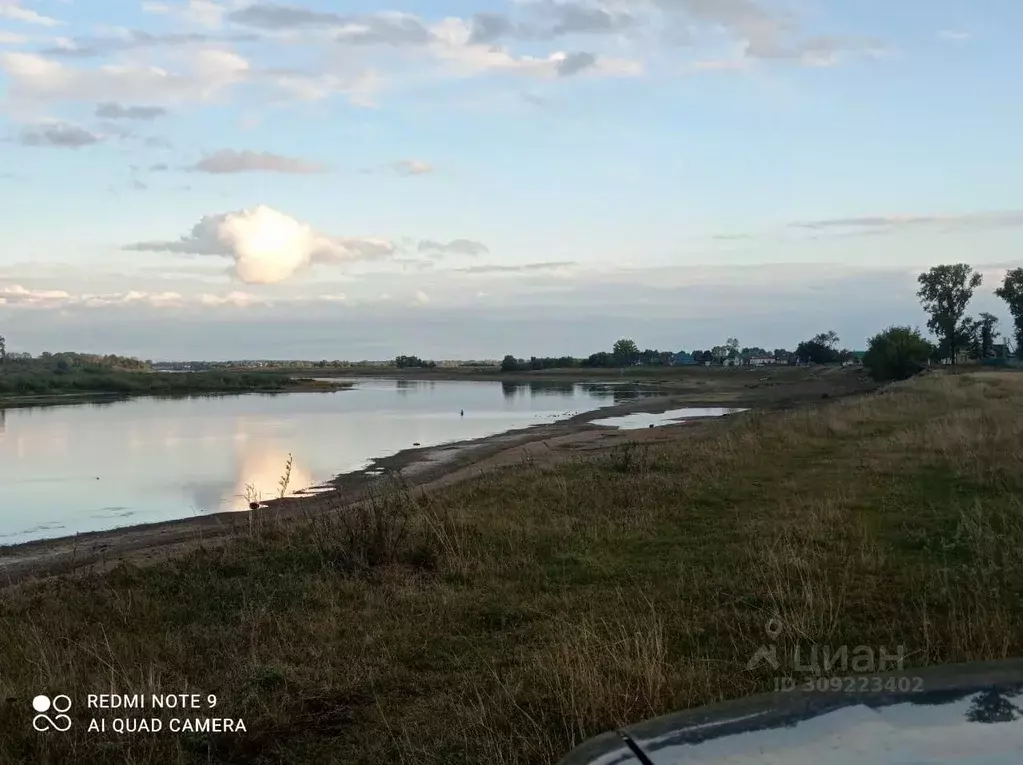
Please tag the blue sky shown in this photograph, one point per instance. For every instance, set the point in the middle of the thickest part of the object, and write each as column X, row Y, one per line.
column 218, row 178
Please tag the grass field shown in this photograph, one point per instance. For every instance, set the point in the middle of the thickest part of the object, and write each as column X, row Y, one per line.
column 508, row 618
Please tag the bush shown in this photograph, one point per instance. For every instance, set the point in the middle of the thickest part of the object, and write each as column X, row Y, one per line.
column 898, row 353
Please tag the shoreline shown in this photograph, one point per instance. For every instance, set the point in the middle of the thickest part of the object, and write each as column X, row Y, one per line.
column 111, row 397
column 423, row 468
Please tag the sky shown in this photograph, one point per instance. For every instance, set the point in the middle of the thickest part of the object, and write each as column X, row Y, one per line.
column 220, row 179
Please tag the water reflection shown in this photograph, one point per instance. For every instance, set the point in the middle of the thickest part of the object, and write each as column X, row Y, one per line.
column 76, row 468
column 261, row 475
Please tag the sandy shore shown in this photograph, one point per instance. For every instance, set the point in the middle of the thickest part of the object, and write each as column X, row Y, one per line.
column 427, row 468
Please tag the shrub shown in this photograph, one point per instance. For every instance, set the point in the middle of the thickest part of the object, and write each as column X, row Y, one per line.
column 898, row 353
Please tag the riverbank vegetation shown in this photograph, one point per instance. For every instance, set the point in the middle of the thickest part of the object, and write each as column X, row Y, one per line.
column 64, row 375
column 505, row 619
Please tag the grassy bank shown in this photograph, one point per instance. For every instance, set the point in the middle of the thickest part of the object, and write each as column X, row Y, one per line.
column 18, row 387
column 508, row 618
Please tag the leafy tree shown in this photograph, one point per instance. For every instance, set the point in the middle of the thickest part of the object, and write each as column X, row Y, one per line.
column 509, row 364
column 897, row 353
column 3, row 349
column 820, row 349
column 602, row 360
column 944, row 292
column 1011, row 292
column 828, row 339
column 405, row 362
column 625, row 352
column 732, row 344
column 982, row 336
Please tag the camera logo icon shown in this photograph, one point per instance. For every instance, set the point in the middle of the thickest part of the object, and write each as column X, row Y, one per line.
column 59, row 722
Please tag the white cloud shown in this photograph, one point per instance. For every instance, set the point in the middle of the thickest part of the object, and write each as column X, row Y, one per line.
column 155, row 299
column 10, row 38
column 10, row 9
column 268, row 246
column 421, row 298
column 37, row 78
column 204, row 13
column 231, row 161
column 16, row 294
column 233, row 299
column 453, row 43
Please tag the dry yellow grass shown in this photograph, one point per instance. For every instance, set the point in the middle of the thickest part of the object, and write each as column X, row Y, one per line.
column 507, row 619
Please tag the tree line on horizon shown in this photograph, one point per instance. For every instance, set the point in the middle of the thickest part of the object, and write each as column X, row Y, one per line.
column 895, row 353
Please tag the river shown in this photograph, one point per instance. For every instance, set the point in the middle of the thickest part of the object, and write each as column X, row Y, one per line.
column 88, row 467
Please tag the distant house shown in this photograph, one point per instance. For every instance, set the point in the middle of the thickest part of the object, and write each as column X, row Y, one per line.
column 683, row 359
column 760, row 361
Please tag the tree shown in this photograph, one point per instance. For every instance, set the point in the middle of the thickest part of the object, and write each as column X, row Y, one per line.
column 944, row 292
column 509, row 364
column 625, row 352
column 1011, row 292
column 897, row 353
column 3, row 349
column 601, row 360
column 828, row 339
column 820, row 349
column 983, row 335
column 732, row 344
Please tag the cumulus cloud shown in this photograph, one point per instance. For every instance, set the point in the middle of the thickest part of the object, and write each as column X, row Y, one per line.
column 58, row 134
column 115, row 111
column 454, row 247
column 232, row 161
column 268, row 246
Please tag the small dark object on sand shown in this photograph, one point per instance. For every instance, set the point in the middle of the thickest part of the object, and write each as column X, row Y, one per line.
column 416, row 443
column 651, row 425
column 253, row 505
column 461, row 413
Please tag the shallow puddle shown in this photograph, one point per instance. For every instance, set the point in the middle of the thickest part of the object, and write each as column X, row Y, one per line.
column 655, row 419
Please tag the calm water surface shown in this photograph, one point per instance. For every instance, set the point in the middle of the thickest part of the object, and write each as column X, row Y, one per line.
column 87, row 467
